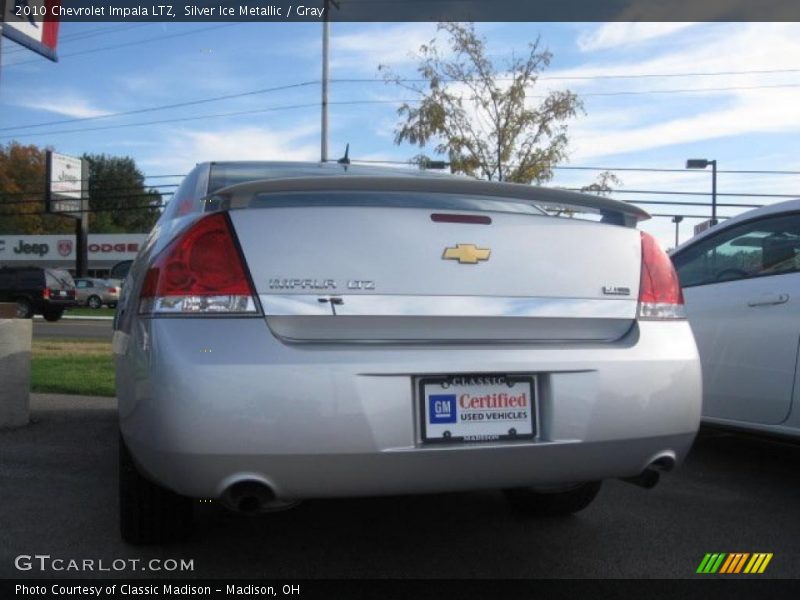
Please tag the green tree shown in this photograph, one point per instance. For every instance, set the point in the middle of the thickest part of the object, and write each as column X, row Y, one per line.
column 22, row 182
column 605, row 183
column 117, row 194
column 118, row 197
column 481, row 114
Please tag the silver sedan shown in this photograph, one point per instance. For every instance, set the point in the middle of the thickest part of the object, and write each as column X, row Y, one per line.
column 296, row 331
column 96, row 292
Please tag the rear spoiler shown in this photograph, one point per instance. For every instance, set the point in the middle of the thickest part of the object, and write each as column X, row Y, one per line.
column 614, row 212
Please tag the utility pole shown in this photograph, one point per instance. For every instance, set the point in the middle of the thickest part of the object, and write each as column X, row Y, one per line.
column 326, row 32
column 677, row 220
column 2, row 24
column 713, row 192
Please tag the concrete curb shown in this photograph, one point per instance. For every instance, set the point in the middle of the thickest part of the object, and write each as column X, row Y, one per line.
column 78, row 318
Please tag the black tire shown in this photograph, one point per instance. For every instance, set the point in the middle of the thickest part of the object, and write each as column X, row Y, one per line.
column 53, row 314
column 94, row 302
column 149, row 513
column 551, row 504
column 24, row 308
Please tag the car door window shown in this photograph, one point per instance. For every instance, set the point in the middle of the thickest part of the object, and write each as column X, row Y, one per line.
column 768, row 246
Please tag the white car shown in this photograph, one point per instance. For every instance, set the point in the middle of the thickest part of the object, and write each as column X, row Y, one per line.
column 741, row 282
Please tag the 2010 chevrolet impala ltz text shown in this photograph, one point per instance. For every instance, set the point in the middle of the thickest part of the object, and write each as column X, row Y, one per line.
column 303, row 330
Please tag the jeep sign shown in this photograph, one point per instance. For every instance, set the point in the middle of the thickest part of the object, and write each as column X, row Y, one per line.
column 61, row 248
column 38, row 249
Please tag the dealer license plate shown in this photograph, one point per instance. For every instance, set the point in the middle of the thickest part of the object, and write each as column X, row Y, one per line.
column 477, row 408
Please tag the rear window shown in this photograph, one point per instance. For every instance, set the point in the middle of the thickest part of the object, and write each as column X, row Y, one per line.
column 59, row 279
column 223, row 175
column 394, row 200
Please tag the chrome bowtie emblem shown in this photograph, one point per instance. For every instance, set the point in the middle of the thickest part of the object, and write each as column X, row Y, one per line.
column 468, row 254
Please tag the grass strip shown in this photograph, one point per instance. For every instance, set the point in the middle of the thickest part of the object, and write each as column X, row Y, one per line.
column 64, row 366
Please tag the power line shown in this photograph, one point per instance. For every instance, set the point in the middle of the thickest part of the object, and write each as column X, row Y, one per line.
column 79, row 36
column 288, row 107
column 587, row 168
column 729, row 204
column 128, row 44
column 178, row 120
column 677, row 193
column 117, row 197
column 103, row 193
column 344, row 102
column 587, row 77
column 688, row 216
column 166, row 106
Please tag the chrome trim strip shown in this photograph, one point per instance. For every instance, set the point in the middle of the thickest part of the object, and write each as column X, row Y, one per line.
column 385, row 305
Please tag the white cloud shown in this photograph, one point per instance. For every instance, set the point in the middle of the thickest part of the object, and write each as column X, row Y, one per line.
column 712, row 48
column 753, row 112
column 374, row 45
column 66, row 105
column 189, row 147
column 613, row 35
column 657, row 120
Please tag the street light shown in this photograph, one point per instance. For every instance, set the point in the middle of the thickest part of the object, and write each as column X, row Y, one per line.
column 702, row 163
column 677, row 220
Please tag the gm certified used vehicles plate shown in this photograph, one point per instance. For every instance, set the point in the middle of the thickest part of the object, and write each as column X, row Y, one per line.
column 477, row 408
column 742, row 284
column 295, row 331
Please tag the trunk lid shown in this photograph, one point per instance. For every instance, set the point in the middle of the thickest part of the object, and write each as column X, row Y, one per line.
column 389, row 273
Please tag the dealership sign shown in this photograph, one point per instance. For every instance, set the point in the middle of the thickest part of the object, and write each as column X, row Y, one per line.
column 107, row 247
column 66, row 183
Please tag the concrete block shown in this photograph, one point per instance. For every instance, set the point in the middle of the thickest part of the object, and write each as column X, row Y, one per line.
column 15, row 371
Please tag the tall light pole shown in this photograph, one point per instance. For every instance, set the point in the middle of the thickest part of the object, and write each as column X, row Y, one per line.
column 677, row 220
column 702, row 163
column 326, row 32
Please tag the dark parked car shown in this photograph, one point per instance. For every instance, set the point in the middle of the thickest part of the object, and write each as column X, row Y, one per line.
column 38, row 291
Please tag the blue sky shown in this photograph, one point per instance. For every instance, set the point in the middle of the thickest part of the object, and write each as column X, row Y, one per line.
column 753, row 127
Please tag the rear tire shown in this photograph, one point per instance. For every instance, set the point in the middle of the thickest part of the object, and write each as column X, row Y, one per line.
column 24, row 308
column 53, row 314
column 94, row 302
column 552, row 504
column 149, row 513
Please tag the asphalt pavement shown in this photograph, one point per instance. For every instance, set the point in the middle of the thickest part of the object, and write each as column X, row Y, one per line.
column 734, row 494
column 73, row 329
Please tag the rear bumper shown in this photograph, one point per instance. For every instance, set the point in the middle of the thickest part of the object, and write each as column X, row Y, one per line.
column 43, row 306
column 207, row 402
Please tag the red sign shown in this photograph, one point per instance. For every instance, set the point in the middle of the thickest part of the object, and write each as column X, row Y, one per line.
column 33, row 24
column 64, row 247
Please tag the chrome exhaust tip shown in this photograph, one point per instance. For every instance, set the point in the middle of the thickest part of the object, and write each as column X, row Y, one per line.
column 650, row 477
column 647, row 479
column 248, row 497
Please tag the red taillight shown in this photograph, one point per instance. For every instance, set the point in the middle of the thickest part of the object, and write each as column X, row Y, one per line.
column 112, row 290
column 201, row 271
column 660, row 294
column 46, row 293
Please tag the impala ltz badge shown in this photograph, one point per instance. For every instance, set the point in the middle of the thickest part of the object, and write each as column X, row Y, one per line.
column 468, row 254
column 302, row 284
column 283, row 283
